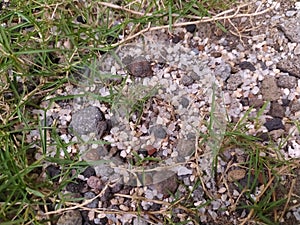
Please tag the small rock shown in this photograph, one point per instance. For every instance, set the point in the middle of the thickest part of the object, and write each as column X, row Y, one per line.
column 198, row 194
column 181, row 170
column 297, row 49
column 194, row 76
column 269, row 89
column 176, row 39
column 222, row 190
column 90, row 195
column 291, row 29
column 236, row 174
column 94, row 182
column 88, row 120
column 76, row 186
column 187, row 80
column 213, row 214
column 234, row 81
column 215, row 204
column 263, row 136
column 275, row 134
column 247, row 65
column 185, row 147
column 165, row 182
column 158, row 131
column 287, row 81
column 263, row 65
column 107, row 195
column 277, row 110
column 295, row 106
column 140, row 67
column 216, row 54
column 255, row 102
column 223, row 71
column 53, row 171
column 285, row 102
column 245, row 101
column 71, row 217
column 88, row 172
column 290, row 65
column 255, row 90
column 191, row 28
column 95, row 154
column 81, row 19
column 184, row 102
column 291, row 13
column 294, row 149
column 103, row 170
column 91, row 155
column 150, row 150
column 274, row 124
column 117, row 187
column 227, row 98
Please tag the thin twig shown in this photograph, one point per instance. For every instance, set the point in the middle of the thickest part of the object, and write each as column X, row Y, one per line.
column 122, row 8
column 215, row 18
column 288, row 199
column 77, row 206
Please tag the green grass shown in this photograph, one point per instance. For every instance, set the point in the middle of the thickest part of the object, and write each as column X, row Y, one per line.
column 41, row 47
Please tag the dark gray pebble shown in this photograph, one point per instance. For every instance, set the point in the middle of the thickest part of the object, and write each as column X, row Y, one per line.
column 155, row 207
column 107, row 195
column 117, row 187
column 245, row 101
column 81, row 19
column 247, row 65
column 77, row 186
column 158, row 131
column 198, row 194
column 263, row 136
column 88, row 172
column 90, row 195
column 187, row 80
column 191, row 28
column 194, row 76
column 285, row 102
column 53, row 172
column 263, row 65
column 184, row 102
column 274, row 124
column 176, row 39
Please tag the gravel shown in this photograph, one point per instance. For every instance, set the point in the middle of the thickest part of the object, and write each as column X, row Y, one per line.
column 169, row 81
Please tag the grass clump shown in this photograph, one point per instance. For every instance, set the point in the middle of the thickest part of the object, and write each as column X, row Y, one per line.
column 265, row 172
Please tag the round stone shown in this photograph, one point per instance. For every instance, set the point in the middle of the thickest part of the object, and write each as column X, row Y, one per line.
column 158, row 131
column 140, row 67
column 88, row 120
column 71, row 217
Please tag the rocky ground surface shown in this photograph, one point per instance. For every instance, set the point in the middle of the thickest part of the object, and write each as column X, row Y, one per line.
column 163, row 99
